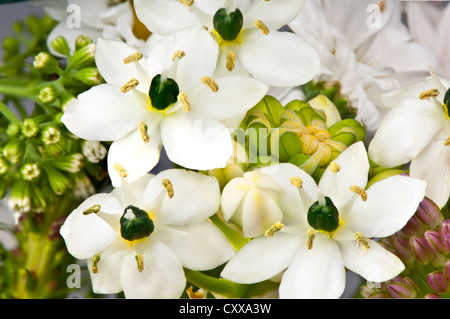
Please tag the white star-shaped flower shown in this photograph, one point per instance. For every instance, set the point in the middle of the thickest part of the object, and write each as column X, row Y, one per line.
column 333, row 229
column 138, row 238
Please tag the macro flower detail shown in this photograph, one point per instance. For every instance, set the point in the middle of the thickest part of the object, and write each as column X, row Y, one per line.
column 347, row 217
column 417, row 129
column 138, row 238
column 166, row 99
column 246, row 34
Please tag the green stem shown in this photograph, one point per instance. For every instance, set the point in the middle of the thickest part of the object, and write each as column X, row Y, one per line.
column 23, row 91
column 233, row 236
column 10, row 116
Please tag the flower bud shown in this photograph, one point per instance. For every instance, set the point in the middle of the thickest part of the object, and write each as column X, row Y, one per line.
column 72, row 163
column 82, row 40
column 89, row 76
column 321, row 102
column 47, row 95
column 347, row 131
column 30, row 127
column 444, row 233
column 45, row 63
column 59, row 182
column 3, row 165
column 13, row 129
column 30, row 171
column 413, row 227
column 403, row 250
column 437, row 282
column 14, row 150
column 60, row 45
column 434, row 241
column 433, row 296
column 83, row 57
column 401, row 289
column 50, row 135
column 94, row 151
column 429, row 213
column 422, row 251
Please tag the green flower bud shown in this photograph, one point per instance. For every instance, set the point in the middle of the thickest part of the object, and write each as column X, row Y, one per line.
column 60, row 45
column 83, row 57
column 13, row 129
column 228, row 25
column 323, row 216
column 59, row 182
column 3, row 166
column 50, row 135
column 30, row 171
column 45, row 63
column 89, row 76
column 71, row 164
column 321, row 102
column 82, row 41
column 47, row 95
column 135, row 224
column 347, row 131
column 163, row 93
column 30, row 127
column 10, row 45
column 269, row 109
column 290, row 146
column 13, row 150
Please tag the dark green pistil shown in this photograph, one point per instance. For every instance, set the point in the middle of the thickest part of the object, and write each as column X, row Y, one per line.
column 447, row 99
column 163, row 93
column 323, row 217
column 228, row 25
column 135, row 224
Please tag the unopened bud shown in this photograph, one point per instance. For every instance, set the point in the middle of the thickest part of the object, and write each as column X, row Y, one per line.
column 3, row 166
column 437, row 282
column 60, row 45
column 47, row 95
column 30, row 127
column 14, row 150
column 444, row 234
column 13, row 129
column 429, row 213
column 94, row 151
column 89, row 76
column 82, row 41
column 50, row 135
column 72, row 163
column 401, row 290
column 423, row 252
column 83, row 57
column 434, row 240
column 30, row 171
column 403, row 249
column 45, row 63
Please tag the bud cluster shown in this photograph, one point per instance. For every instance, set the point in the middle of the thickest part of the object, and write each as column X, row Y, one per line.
column 423, row 245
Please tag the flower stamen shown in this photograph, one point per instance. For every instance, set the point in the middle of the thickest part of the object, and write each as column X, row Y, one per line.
column 310, row 238
column 187, row 2
column 361, row 241
column 426, row 95
column 92, row 210
column 447, row 141
column 140, row 262
column 179, row 54
column 231, row 61
column 297, row 182
column 261, row 26
column 209, row 82
column 358, row 190
column 143, row 130
column 122, row 171
column 95, row 261
column 168, row 187
column 185, row 105
column 135, row 57
column 131, row 84
column 334, row 167
column 273, row 229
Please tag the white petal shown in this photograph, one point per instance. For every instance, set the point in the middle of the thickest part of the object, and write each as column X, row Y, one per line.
column 354, row 170
column 232, row 195
column 259, row 213
column 103, row 113
column 109, row 56
column 287, row 58
column 433, row 165
column 164, row 17
column 405, row 131
column 87, row 235
column 275, row 14
column 203, row 247
column 390, row 204
column 315, row 273
column 200, row 56
column 375, row 264
column 195, row 196
column 262, row 258
column 134, row 155
column 162, row 276
column 194, row 142
column 236, row 95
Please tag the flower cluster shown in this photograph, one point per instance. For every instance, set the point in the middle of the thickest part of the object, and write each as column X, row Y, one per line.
column 305, row 139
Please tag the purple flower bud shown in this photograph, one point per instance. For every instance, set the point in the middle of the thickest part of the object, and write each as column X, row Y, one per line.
column 414, row 227
column 446, row 271
column 434, row 240
column 403, row 250
column 429, row 213
column 423, row 252
column 433, row 296
column 401, row 290
column 437, row 282
column 444, row 233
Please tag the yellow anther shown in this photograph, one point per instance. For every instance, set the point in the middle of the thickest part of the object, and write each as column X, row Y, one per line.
column 122, row 171
column 261, row 26
column 95, row 261
column 92, row 210
column 168, row 187
column 297, row 182
column 426, row 95
column 273, row 229
column 361, row 241
column 209, row 82
column 185, row 105
column 187, row 2
column 179, row 54
column 231, row 60
column 129, row 85
column 140, row 262
column 135, row 57
column 310, row 238
column 358, row 190
column 334, row 167
column 194, row 294
column 143, row 130
column 447, row 141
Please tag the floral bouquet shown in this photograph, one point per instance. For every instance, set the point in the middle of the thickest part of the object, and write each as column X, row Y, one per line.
column 226, row 149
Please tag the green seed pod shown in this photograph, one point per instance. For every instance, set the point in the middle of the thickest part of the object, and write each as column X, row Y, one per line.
column 323, row 217
column 163, row 94
column 228, row 25
column 135, row 224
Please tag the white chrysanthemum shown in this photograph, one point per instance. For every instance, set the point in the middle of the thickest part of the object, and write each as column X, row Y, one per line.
column 313, row 250
column 249, row 43
column 168, row 98
column 417, row 129
column 138, row 238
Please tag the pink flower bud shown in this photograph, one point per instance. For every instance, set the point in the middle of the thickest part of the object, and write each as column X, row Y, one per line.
column 434, row 240
column 429, row 213
column 446, row 271
column 422, row 250
column 413, row 227
column 444, row 233
column 403, row 250
column 401, row 290
column 437, row 282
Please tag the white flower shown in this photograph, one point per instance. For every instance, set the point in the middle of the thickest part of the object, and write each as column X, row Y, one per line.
column 428, row 24
column 168, row 98
column 138, row 238
column 249, row 44
column 95, row 19
column 364, row 47
column 417, row 129
column 314, row 258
